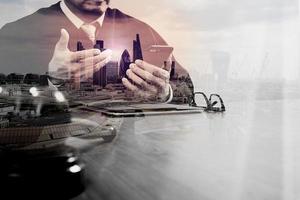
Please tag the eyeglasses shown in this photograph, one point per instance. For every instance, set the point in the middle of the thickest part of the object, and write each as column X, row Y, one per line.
column 212, row 104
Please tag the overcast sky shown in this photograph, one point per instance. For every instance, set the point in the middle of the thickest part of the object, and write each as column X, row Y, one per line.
column 259, row 36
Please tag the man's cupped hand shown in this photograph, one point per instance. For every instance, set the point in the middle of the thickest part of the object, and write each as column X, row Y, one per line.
column 64, row 62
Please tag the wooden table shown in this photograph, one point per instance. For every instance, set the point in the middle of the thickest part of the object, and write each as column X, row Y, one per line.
column 250, row 152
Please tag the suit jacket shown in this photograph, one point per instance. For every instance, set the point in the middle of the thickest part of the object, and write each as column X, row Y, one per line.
column 27, row 45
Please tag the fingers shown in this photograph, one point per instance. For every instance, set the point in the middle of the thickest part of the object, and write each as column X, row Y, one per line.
column 85, row 73
column 104, row 57
column 87, row 69
column 135, row 89
column 80, row 55
column 161, row 76
column 93, row 63
column 148, row 81
column 86, row 66
column 168, row 65
column 147, row 76
column 153, row 69
column 101, row 64
column 63, row 42
column 140, row 82
column 129, row 85
column 63, row 74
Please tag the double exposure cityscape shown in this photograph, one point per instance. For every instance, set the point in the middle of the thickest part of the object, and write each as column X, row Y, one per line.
column 24, row 97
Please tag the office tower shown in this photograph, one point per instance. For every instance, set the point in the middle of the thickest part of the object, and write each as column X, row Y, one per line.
column 137, row 49
column 103, row 80
column 99, row 76
column 99, row 45
column 124, row 63
column 96, row 77
column 112, row 72
column 85, row 76
column 173, row 68
column 79, row 46
column 76, row 77
column 96, row 73
column 82, row 75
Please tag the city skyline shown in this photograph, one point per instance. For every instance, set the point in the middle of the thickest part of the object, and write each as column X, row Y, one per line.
column 247, row 31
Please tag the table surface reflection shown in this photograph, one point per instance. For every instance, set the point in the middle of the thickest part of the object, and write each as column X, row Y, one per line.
column 249, row 152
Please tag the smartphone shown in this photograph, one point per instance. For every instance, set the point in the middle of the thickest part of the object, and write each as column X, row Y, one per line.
column 158, row 54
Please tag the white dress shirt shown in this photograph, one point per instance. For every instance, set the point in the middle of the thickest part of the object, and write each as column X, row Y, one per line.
column 88, row 28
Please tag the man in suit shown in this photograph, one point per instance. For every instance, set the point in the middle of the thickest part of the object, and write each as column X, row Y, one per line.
column 46, row 41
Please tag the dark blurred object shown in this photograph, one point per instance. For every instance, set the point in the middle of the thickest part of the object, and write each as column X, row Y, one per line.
column 213, row 104
column 51, row 168
column 55, row 173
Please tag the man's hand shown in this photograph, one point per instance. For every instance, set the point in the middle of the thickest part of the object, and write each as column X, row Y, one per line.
column 149, row 82
column 65, row 61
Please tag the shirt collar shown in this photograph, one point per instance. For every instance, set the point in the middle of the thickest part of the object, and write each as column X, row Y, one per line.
column 76, row 20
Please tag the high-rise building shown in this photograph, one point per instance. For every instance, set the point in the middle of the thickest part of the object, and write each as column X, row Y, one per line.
column 85, row 76
column 173, row 70
column 112, row 74
column 99, row 76
column 96, row 77
column 124, row 63
column 103, row 80
column 76, row 77
column 137, row 49
column 96, row 73
column 99, row 45
column 79, row 46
